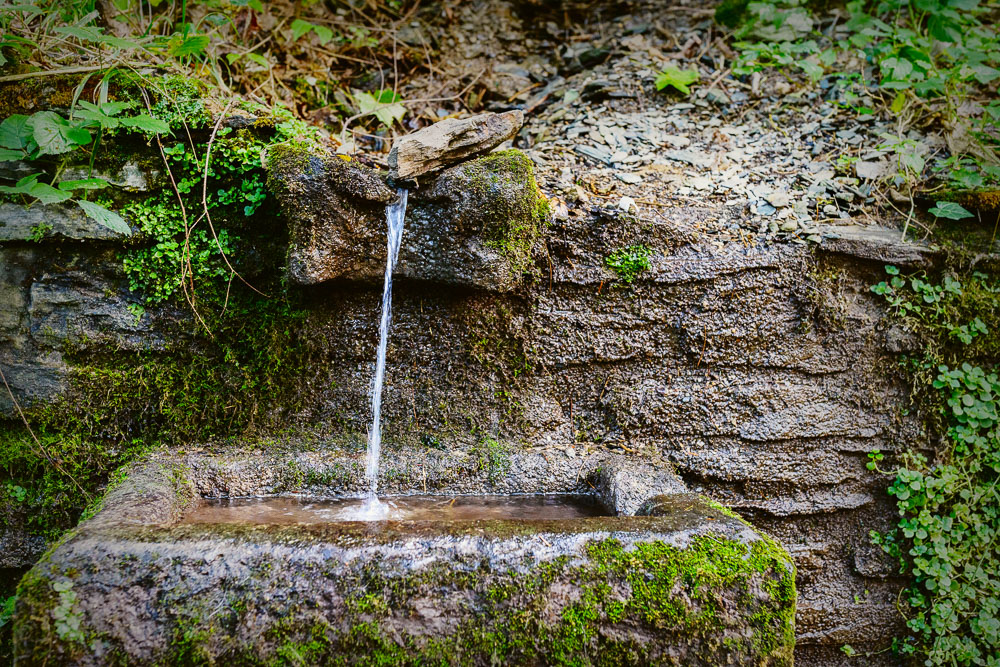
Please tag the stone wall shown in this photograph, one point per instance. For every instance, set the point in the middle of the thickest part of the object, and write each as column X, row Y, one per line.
column 762, row 374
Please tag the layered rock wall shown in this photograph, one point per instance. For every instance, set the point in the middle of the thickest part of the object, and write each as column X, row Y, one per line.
column 762, row 374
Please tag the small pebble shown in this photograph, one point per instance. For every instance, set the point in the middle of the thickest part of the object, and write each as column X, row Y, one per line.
column 789, row 226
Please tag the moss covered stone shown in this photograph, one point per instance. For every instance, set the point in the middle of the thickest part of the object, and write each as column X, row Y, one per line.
column 715, row 601
column 511, row 224
column 121, row 403
column 691, row 587
column 474, row 225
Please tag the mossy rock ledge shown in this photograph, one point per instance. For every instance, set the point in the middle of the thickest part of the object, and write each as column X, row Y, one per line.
column 688, row 584
column 474, row 224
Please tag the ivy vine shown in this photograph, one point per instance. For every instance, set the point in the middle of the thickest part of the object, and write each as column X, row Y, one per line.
column 948, row 534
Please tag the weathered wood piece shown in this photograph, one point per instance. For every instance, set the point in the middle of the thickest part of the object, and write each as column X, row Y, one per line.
column 451, row 140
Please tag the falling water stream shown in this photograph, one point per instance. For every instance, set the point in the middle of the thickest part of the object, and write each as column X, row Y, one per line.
column 394, row 214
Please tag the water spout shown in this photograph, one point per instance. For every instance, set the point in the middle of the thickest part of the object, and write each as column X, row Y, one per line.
column 394, row 215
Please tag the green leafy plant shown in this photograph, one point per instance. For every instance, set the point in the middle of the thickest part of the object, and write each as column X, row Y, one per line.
column 7, row 605
column 30, row 187
column 138, row 311
column 66, row 614
column 7, row 609
column 494, row 459
column 931, row 59
column 935, row 310
column 300, row 28
column 384, row 105
column 629, row 262
column 180, row 256
column 949, row 527
column 949, row 210
column 229, row 48
column 805, row 55
column 948, row 534
column 907, row 156
column 46, row 133
column 18, row 493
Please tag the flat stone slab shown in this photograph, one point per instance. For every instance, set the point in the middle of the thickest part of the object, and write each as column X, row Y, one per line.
column 879, row 244
column 33, row 223
column 690, row 584
column 450, row 141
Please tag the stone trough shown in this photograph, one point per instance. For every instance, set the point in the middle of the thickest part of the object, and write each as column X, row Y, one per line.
column 665, row 578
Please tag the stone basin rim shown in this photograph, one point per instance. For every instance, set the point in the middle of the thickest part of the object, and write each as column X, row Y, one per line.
column 401, row 494
column 621, row 483
column 407, row 507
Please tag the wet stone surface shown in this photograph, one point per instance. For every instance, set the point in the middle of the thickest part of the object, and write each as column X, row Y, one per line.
column 739, row 367
column 750, row 356
column 300, row 510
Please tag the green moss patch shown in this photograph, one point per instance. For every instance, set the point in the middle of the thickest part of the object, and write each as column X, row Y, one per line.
column 718, row 601
column 714, row 601
column 242, row 378
column 229, row 360
column 513, row 220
